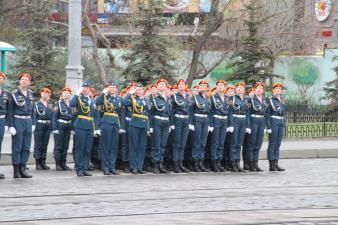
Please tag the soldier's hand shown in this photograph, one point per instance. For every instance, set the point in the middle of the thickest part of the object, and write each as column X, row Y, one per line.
column 122, row 131
column 6, row 128
column 132, row 91
column 210, row 129
column 105, row 91
column 172, row 127
column 79, row 91
column 55, row 132
column 33, row 128
column 269, row 131
column 97, row 132
column 12, row 131
column 231, row 129
column 72, row 132
column 248, row 130
column 151, row 130
column 191, row 127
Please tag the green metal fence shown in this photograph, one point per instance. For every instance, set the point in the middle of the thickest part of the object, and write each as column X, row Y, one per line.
column 311, row 130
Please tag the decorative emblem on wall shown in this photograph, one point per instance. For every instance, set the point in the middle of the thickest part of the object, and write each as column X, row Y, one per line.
column 322, row 9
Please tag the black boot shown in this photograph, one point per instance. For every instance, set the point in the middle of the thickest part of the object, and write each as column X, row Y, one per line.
column 23, row 172
column 278, row 167
column 126, row 168
column 252, row 167
column 2, row 176
column 258, row 169
column 38, row 164
column 272, row 166
column 44, row 165
column 196, row 166
column 64, row 165
column 203, row 168
column 182, row 167
column 162, row 169
column 228, row 165
column 238, row 165
column 214, row 166
column 246, row 165
column 234, row 166
column 58, row 165
column 220, row 166
column 156, row 167
column 177, row 168
column 17, row 173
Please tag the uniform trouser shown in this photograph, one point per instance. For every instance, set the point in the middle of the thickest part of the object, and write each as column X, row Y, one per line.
column 237, row 138
column 41, row 140
column 245, row 149
column 275, row 138
column 256, row 137
column 2, row 131
column 137, row 146
column 84, row 142
column 180, row 136
column 159, row 139
column 227, row 143
column 61, row 141
column 21, row 141
column 125, row 143
column 200, row 136
column 217, row 141
column 109, row 143
column 96, row 152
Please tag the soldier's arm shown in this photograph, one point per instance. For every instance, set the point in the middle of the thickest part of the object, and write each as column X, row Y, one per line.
column 74, row 101
column 126, row 100
column 10, row 110
column 99, row 99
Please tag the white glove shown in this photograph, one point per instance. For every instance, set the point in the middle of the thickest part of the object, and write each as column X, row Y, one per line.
column 248, row 130
column 210, row 129
column 230, row 129
column 12, row 131
column 121, row 131
column 172, row 127
column 6, row 128
column 33, row 128
column 97, row 132
column 269, row 131
column 55, row 132
column 105, row 91
column 132, row 91
column 191, row 127
column 79, row 91
column 151, row 130
column 72, row 132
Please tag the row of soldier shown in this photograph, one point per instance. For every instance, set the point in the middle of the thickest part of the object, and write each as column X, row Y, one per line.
column 137, row 119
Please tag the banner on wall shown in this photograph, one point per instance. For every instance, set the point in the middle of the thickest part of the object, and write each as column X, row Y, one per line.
column 108, row 7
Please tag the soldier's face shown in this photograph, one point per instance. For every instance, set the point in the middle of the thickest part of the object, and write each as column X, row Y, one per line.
column 66, row 95
column 45, row 95
column 181, row 86
column 86, row 90
column 277, row 90
column 239, row 90
column 24, row 82
column 220, row 87
column 139, row 92
column 251, row 94
column 2, row 80
column 113, row 89
column 231, row 92
column 162, row 86
column 259, row 90
column 203, row 87
column 154, row 91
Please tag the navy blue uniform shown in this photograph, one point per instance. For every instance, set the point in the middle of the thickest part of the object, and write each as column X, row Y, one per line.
column 220, row 115
column 84, row 131
column 258, row 122
column 200, row 118
column 20, row 116
column 112, row 120
column 138, row 128
column 276, row 122
column 43, row 116
column 160, row 113
column 181, row 120
column 62, row 118
column 239, row 119
column 3, row 115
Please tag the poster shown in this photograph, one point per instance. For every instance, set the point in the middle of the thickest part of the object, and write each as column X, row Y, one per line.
column 322, row 9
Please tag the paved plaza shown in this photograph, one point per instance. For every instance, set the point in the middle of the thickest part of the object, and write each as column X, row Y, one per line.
column 307, row 193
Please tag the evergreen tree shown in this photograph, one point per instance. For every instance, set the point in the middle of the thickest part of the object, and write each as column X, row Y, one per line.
column 36, row 53
column 248, row 62
column 150, row 57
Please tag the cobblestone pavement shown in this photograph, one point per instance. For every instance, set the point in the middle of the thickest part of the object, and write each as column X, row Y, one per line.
column 306, row 194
